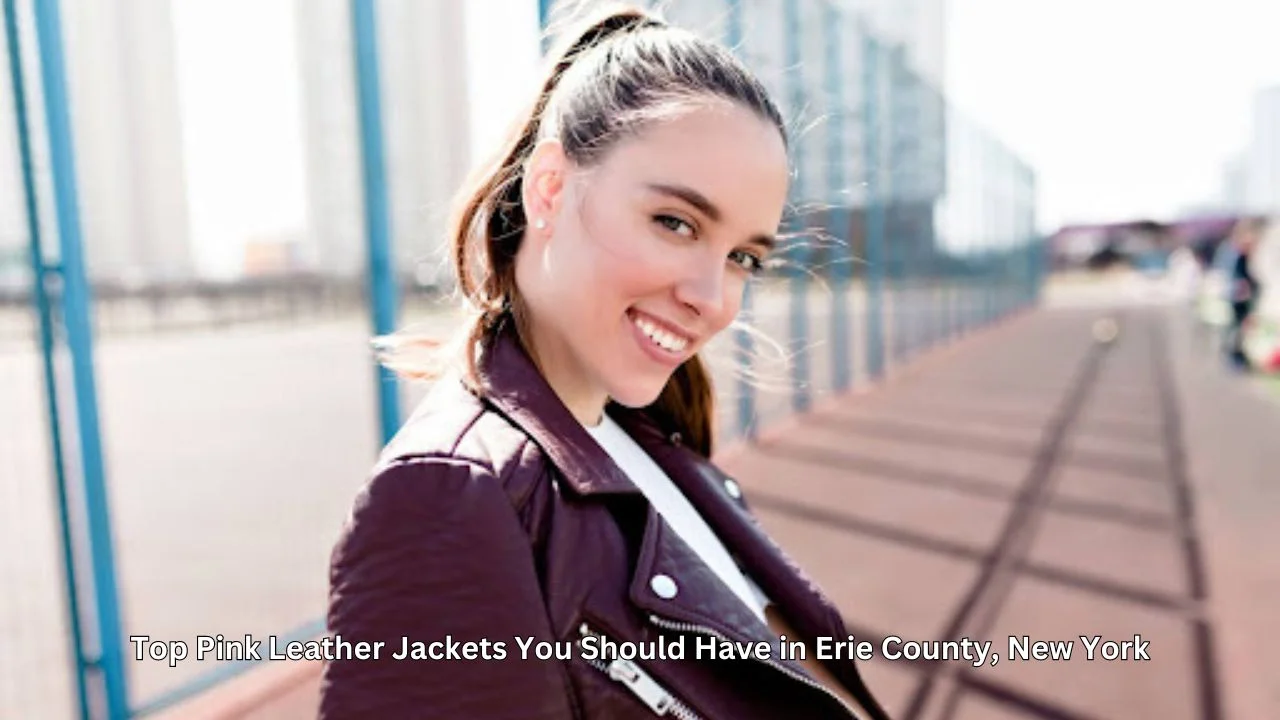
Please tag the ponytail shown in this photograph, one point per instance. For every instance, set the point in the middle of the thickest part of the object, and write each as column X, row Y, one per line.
column 489, row 224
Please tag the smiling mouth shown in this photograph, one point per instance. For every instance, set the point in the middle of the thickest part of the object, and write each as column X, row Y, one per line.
column 663, row 338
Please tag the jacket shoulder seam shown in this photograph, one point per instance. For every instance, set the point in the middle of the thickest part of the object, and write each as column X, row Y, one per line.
column 436, row 457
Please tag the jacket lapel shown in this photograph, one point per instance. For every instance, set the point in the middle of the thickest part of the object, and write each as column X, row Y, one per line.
column 670, row 580
column 786, row 584
column 514, row 386
column 798, row 598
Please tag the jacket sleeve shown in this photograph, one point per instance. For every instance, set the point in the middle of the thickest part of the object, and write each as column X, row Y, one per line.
column 434, row 553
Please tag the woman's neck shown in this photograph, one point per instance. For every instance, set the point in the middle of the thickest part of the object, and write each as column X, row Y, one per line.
column 568, row 380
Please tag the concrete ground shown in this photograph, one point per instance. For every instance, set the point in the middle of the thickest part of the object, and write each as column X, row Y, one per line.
column 1027, row 483
column 1022, row 481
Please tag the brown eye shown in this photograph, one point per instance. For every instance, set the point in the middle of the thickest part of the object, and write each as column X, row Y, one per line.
column 747, row 261
column 675, row 225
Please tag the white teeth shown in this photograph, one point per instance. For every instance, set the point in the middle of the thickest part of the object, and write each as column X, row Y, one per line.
column 662, row 338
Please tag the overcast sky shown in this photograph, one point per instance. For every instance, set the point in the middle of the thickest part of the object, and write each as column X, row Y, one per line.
column 1124, row 107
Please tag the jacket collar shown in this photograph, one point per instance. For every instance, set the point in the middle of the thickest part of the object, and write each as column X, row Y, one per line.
column 515, row 386
column 512, row 383
column 704, row 486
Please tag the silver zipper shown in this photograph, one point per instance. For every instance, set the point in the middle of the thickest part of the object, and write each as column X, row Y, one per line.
column 640, row 683
column 686, row 627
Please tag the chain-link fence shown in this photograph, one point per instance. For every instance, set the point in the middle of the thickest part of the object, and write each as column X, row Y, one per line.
column 188, row 409
column 910, row 224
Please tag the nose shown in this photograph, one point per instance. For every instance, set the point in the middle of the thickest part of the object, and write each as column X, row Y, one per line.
column 702, row 287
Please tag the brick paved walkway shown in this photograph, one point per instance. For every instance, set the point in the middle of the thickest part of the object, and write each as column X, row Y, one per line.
column 1030, row 482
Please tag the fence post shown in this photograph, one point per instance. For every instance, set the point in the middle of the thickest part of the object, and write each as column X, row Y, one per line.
column 40, row 273
column 800, row 392
column 382, row 279
column 937, row 162
column 914, row 234
column 907, row 238
column 874, row 210
column 1036, row 242
column 544, row 18
column 842, row 254
column 1028, row 233
column 743, row 346
column 895, row 260
column 109, row 660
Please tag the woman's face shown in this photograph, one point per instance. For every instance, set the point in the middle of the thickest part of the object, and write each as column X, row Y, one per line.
column 644, row 256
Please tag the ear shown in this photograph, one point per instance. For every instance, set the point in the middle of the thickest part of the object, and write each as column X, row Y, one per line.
column 542, row 190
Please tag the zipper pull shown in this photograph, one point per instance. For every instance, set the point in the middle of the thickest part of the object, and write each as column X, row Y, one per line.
column 639, row 682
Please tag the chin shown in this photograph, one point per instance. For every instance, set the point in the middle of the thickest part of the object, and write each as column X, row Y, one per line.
column 634, row 394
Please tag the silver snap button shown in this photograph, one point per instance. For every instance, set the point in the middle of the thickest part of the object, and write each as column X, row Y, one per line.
column 731, row 487
column 663, row 586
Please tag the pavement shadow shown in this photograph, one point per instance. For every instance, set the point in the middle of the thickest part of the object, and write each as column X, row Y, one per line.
column 1143, row 450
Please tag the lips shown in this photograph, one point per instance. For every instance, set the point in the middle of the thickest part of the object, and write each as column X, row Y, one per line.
column 659, row 333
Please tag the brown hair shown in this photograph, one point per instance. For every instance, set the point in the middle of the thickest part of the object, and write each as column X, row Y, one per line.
column 616, row 72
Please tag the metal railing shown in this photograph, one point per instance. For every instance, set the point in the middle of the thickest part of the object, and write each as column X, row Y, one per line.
column 909, row 226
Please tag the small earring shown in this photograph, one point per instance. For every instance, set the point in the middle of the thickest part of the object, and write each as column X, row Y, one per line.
column 540, row 224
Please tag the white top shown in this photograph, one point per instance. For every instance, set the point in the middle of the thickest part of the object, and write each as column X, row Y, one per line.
column 678, row 512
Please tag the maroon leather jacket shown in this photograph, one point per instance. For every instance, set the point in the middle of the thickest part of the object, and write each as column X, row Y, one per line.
column 493, row 517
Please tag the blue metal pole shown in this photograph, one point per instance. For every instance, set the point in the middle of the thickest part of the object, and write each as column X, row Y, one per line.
column 382, row 280
column 993, row 248
column 1037, row 242
column 840, row 361
column 937, row 293
column 974, row 281
column 986, row 282
column 992, row 285
column 1028, row 223
column 874, row 208
column 997, row 238
column 894, row 256
column 980, row 266
column 39, row 274
column 734, row 29
column 800, row 396
column 950, row 256
column 1010, row 218
column 901, row 239
column 984, row 273
column 544, row 19
column 744, row 347
column 1023, row 238
column 912, row 238
column 77, row 299
column 225, row 671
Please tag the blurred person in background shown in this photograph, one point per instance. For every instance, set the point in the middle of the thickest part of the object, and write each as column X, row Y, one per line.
column 1243, row 287
column 556, row 485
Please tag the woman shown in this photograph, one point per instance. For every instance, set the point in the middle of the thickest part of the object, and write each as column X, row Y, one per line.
column 1242, row 287
column 558, row 489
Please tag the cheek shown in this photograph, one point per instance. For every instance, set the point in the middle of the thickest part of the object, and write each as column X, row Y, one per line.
column 623, row 258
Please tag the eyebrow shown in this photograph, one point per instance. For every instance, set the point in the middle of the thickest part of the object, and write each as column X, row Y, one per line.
column 708, row 208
